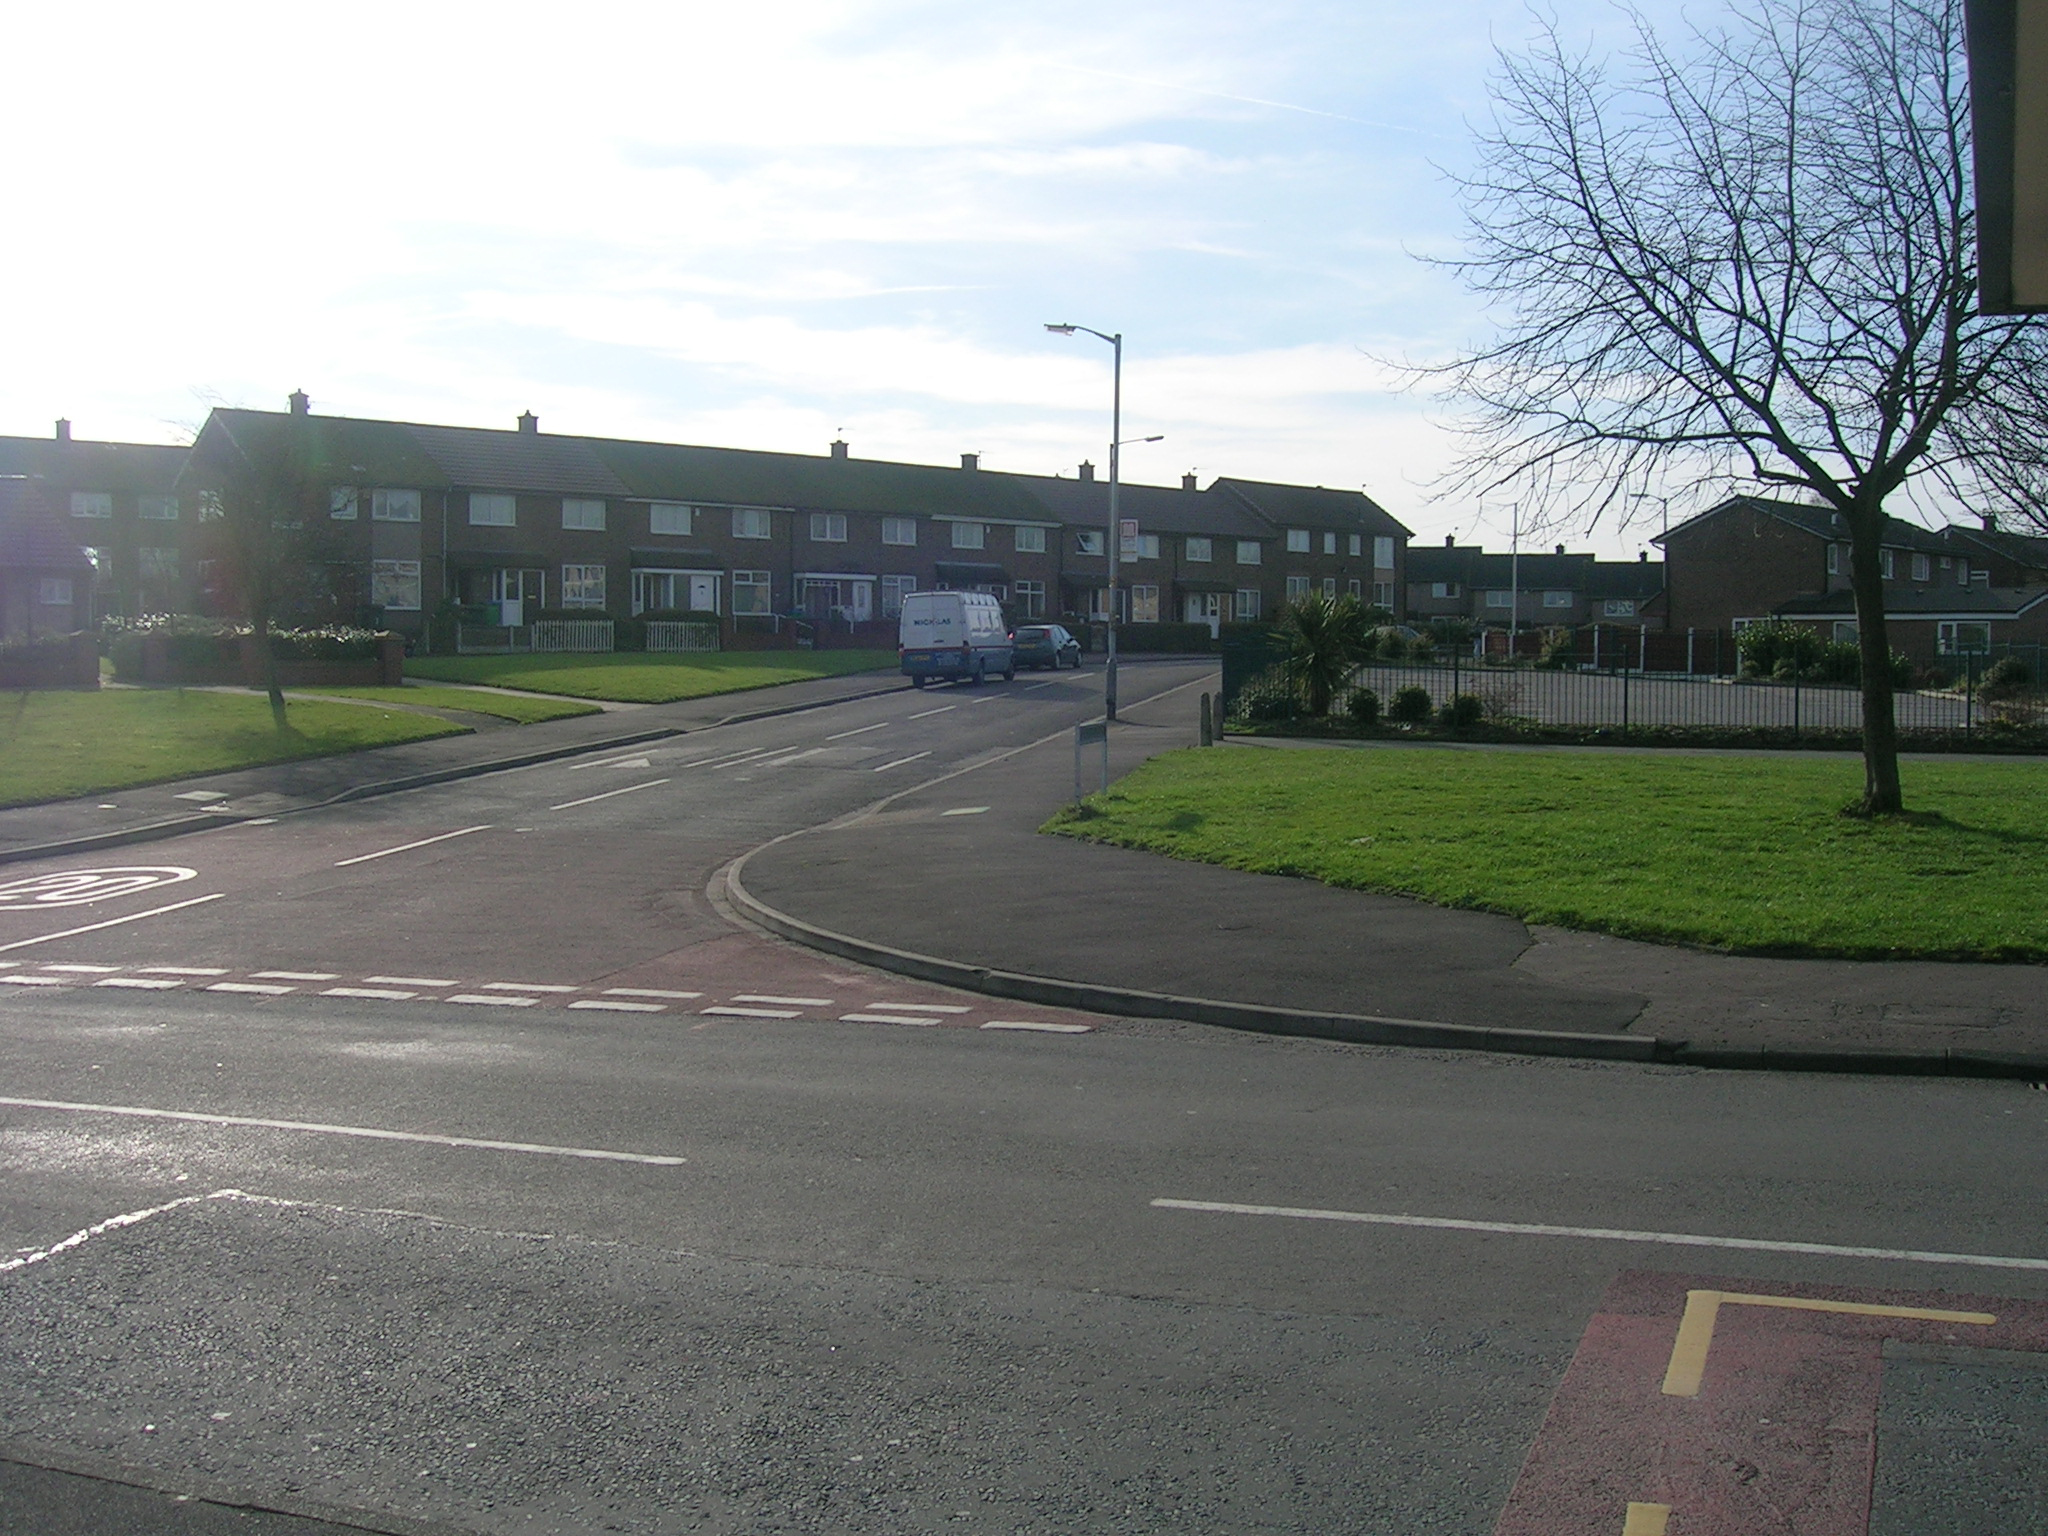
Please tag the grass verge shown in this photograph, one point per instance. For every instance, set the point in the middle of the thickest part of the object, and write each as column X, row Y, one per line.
column 638, row 678
column 515, row 707
column 1746, row 854
column 56, row 745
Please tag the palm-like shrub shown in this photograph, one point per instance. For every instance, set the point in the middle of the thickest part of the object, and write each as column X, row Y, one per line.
column 1322, row 639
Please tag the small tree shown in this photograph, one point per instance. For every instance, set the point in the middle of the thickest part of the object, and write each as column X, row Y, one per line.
column 1752, row 258
column 1322, row 639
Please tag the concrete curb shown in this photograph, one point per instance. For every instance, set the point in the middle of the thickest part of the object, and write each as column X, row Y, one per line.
column 1873, row 1061
column 1352, row 1028
column 156, row 831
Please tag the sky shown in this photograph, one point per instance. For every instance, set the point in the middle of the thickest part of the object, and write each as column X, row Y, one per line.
column 768, row 225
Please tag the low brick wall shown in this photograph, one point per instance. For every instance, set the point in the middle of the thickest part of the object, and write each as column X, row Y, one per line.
column 384, row 670
column 77, row 666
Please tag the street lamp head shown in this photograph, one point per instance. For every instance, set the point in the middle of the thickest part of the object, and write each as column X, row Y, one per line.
column 1063, row 330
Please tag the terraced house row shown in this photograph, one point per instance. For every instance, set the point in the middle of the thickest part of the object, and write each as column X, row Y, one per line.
column 519, row 521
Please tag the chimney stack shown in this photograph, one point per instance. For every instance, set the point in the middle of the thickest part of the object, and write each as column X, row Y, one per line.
column 1450, row 541
column 970, row 461
column 1187, row 481
column 1988, row 519
column 1560, row 549
column 1087, row 473
column 529, row 424
column 63, row 429
column 1643, row 555
column 839, row 450
column 300, row 402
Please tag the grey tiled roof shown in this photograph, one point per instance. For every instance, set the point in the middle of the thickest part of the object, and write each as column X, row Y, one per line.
column 1157, row 508
column 1312, row 506
column 1923, row 602
column 483, row 459
column 1821, row 522
column 33, row 537
column 344, row 451
column 91, row 466
column 751, row 477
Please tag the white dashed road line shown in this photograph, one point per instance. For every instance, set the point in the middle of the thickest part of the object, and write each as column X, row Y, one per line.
column 886, row 1018
column 83, row 970
column 754, row 1013
column 793, row 1002
column 925, row 1007
column 375, row 994
column 113, row 922
column 861, row 731
column 294, row 975
column 410, row 981
column 250, row 986
column 524, row 986
column 630, row 789
column 140, row 983
column 385, row 853
column 777, row 762
column 1040, row 1027
column 496, row 999
column 34, row 981
column 184, row 970
column 901, row 761
column 965, row 810
column 927, row 714
column 649, row 992
column 617, row 1005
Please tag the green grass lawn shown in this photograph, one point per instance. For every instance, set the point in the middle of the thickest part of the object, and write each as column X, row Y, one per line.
column 56, row 745
column 637, row 678
column 502, row 706
column 1749, row 854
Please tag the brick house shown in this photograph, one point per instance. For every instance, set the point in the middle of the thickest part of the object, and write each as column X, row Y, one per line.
column 1335, row 542
column 45, row 573
column 123, row 507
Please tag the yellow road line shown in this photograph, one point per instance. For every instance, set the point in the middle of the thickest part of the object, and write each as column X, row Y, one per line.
column 1703, row 1309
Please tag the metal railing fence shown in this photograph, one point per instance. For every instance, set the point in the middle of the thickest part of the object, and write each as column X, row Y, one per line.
column 677, row 635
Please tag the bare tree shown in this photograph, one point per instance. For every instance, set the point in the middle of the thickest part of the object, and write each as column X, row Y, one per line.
column 1749, row 257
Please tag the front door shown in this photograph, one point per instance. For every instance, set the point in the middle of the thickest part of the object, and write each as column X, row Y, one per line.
column 703, row 594
column 1206, row 608
column 863, row 601
column 516, row 591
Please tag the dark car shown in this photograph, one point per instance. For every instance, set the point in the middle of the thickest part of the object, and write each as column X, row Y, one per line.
column 1045, row 645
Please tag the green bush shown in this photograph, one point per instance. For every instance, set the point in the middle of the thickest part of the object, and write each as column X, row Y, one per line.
column 1461, row 712
column 1560, row 649
column 1767, row 648
column 1411, row 705
column 333, row 642
column 39, row 648
column 1169, row 638
column 1269, row 696
column 1363, row 706
column 1451, row 633
column 2008, row 674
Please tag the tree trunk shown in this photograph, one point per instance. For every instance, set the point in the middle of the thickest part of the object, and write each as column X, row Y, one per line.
column 268, row 660
column 1881, row 793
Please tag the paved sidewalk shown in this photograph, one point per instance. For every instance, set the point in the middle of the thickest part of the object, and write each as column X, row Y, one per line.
column 953, row 882
column 164, row 810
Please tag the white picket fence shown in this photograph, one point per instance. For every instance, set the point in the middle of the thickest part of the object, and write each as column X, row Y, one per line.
column 681, row 635
column 572, row 634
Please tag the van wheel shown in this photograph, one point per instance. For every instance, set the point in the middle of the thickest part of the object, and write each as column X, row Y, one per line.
column 918, row 680
column 1010, row 672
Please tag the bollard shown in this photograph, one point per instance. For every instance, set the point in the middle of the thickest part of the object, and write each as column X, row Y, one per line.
column 1208, row 723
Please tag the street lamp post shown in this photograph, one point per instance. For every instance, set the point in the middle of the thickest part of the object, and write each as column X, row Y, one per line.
column 1110, row 540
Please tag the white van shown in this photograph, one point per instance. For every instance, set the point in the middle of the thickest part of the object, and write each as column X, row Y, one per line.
column 960, row 635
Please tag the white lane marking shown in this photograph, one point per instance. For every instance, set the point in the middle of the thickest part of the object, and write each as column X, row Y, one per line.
column 965, row 810
column 523, row 986
column 988, row 699
column 770, row 997
column 35, row 981
column 202, row 794
column 618, row 1005
column 183, row 970
column 293, row 975
column 649, row 992
column 83, row 970
column 861, row 731
column 613, row 762
column 1608, row 1234
column 372, row 1133
column 927, row 714
column 777, row 762
column 499, row 999
column 727, row 759
column 380, row 994
column 410, row 981
column 111, row 1224
column 630, row 789
column 755, row 1013
column 115, row 922
column 1034, row 687
column 385, row 853
column 261, row 821
column 926, row 1007
column 1040, row 1027
column 250, row 986
column 885, row 1018
column 141, row 983
column 901, row 761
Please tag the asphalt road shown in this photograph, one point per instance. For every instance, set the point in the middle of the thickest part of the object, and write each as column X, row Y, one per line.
column 519, row 1266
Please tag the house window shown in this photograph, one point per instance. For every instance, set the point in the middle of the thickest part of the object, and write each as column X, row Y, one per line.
column 900, row 531
column 1144, row 605
column 1383, row 595
column 1030, row 541
column 396, row 584
column 1248, row 552
column 490, row 510
column 54, row 591
column 584, row 514
column 1443, row 589
column 1297, row 541
column 671, row 517
column 1554, row 599
column 1357, row 545
column 968, row 535
column 583, row 585
column 1329, row 543
column 828, row 527
column 1297, row 588
column 1923, row 569
column 157, row 509
column 751, row 592
column 92, row 504
column 1382, row 552
column 1834, row 559
column 1887, row 564
column 1504, row 598
column 1330, row 586
column 1619, row 608
column 1956, row 639
column 1357, row 587
column 1247, row 604
column 1846, row 632
column 403, row 506
column 893, row 589
column 749, row 523
column 343, row 503
column 157, row 564
column 1147, row 547
column 1088, row 541
column 1197, row 551
column 1962, row 573
column 1031, row 599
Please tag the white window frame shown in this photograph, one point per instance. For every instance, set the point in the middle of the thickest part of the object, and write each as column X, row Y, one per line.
column 92, row 503
column 1618, row 608
column 750, row 582
column 1148, row 547
column 1329, row 543
column 1297, row 541
column 1030, row 599
column 492, row 509
column 670, row 519
column 1383, row 595
column 391, row 576
column 970, row 536
column 1383, row 552
column 583, row 514
column 900, row 532
column 1888, row 564
column 1846, row 632
column 1197, row 550
column 157, row 509
column 1088, row 541
column 828, row 527
column 1923, row 568
column 1245, row 604
column 1297, row 587
column 1444, row 589
column 1357, row 545
column 1947, row 633
column 893, row 590
column 1500, row 597
column 752, row 523
column 344, row 503
column 164, row 561
column 55, row 591
column 1250, row 552
column 1556, row 597
column 1330, row 587
column 583, row 585
column 1144, row 603
column 1030, row 541
column 401, row 504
